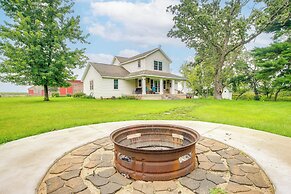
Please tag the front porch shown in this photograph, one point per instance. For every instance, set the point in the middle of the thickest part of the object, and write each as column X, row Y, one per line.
column 153, row 86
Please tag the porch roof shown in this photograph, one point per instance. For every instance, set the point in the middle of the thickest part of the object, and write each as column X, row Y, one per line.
column 106, row 70
column 158, row 74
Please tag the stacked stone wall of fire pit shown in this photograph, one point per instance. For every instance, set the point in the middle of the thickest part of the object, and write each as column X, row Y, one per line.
column 90, row 169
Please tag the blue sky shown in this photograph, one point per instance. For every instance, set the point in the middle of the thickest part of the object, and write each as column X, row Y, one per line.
column 126, row 28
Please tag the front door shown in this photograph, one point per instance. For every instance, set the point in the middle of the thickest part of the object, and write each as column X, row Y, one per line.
column 156, row 84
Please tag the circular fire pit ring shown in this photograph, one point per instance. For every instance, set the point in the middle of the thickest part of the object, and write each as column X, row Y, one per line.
column 154, row 152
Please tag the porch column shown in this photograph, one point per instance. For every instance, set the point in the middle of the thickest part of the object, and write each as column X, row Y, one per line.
column 161, row 86
column 143, row 85
column 172, row 86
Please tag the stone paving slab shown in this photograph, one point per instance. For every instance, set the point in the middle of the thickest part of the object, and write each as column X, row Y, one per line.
column 106, row 180
column 32, row 156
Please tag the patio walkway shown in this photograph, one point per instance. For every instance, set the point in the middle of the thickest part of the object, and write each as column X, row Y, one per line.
column 24, row 162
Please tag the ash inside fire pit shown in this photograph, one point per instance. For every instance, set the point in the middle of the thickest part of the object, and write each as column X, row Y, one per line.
column 155, row 152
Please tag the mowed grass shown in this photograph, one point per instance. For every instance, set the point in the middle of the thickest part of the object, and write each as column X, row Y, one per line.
column 26, row 116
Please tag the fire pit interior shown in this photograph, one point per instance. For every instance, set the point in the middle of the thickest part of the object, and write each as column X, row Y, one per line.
column 155, row 152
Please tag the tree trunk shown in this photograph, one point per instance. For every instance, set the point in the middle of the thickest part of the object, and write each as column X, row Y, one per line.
column 218, row 82
column 46, row 96
column 276, row 94
column 256, row 92
column 218, row 88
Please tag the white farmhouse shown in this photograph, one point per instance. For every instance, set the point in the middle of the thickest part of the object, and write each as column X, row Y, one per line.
column 146, row 75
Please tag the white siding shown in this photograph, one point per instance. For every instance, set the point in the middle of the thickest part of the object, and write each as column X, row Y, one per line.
column 105, row 87
column 133, row 66
column 92, row 74
column 148, row 63
column 157, row 56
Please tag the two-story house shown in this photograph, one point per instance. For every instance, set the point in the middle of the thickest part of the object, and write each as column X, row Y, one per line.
column 147, row 75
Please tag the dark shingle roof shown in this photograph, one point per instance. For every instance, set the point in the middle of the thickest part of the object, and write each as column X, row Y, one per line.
column 106, row 70
column 155, row 74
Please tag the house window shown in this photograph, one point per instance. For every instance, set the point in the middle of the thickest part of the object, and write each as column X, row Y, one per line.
column 91, row 83
column 138, row 63
column 139, row 83
column 116, row 84
column 160, row 66
column 155, row 65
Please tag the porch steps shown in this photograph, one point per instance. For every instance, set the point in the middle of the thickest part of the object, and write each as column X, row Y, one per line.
column 161, row 97
column 169, row 97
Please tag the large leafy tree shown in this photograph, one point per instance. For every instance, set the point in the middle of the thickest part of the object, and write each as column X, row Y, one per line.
column 274, row 63
column 221, row 27
column 34, row 44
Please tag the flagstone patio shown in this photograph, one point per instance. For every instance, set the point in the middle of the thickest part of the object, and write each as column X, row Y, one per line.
column 89, row 169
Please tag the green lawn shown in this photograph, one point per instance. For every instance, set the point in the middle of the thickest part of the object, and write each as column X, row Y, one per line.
column 26, row 116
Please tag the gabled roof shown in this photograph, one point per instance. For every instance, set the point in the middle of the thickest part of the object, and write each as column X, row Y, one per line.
column 121, row 59
column 155, row 74
column 143, row 55
column 106, row 70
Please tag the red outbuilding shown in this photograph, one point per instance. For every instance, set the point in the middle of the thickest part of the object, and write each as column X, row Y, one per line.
column 75, row 87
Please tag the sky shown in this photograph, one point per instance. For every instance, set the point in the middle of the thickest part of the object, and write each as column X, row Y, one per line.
column 126, row 28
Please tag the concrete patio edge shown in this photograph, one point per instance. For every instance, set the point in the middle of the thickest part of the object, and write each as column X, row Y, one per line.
column 24, row 162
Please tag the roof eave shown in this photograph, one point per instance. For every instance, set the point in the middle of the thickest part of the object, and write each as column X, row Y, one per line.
column 112, row 77
column 86, row 71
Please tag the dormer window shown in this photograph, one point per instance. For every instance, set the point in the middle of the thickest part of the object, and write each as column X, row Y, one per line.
column 138, row 63
column 158, row 65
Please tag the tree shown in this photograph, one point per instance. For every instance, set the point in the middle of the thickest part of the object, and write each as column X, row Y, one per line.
column 221, row 28
column 199, row 76
column 34, row 45
column 274, row 63
column 244, row 76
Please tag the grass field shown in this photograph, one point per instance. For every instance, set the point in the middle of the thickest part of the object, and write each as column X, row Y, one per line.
column 26, row 116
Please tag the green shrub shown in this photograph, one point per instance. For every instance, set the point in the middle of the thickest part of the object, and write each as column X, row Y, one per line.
column 246, row 96
column 128, row 97
column 79, row 95
column 69, row 95
column 89, row 97
column 55, row 94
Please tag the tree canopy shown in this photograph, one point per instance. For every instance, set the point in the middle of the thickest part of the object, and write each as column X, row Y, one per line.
column 34, row 45
column 220, row 28
column 274, row 65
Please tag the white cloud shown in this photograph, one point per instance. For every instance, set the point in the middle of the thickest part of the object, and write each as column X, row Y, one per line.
column 128, row 53
column 142, row 23
column 99, row 57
